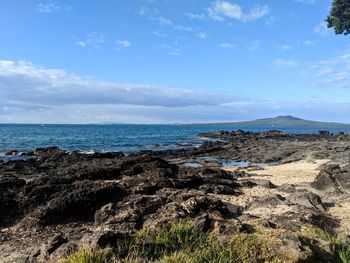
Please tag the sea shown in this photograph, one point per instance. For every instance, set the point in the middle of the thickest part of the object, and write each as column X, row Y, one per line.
column 123, row 137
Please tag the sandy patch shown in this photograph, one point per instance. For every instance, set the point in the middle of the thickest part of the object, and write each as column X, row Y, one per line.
column 298, row 173
column 341, row 213
column 248, row 195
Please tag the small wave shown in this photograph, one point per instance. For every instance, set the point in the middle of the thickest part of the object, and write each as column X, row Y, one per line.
column 87, row 152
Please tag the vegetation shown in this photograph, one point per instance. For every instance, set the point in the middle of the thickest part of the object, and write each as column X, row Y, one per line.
column 338, row 251
column 344, row 138
column 90, row 256
column 181, row 242
column 339, row 17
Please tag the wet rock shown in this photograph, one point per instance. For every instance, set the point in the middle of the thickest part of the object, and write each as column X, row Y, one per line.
column 48, row 151
column 109, row 155
column 11, row 152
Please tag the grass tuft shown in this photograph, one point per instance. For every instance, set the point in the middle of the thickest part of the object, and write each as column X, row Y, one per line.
column 340, row 250
column 181, row 242
column 90, row 256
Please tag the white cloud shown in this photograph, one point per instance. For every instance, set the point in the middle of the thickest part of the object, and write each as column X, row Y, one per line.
column 308, row 43
column 285, row 47
column 202, row 35
column 322, row 29
column 81, row 43
column 333, row 72
column 26, row 83
column 159, row 34
column 227, row 45
column 123, row 43
column 153, row 15
column 92, row 40
column 195, row 16
column 220, row 10
column 50, row 7
column 282, row 63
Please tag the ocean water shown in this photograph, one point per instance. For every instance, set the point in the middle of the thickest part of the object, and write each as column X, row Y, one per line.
column 126, row 138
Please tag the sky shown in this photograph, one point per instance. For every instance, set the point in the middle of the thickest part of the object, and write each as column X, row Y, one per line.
column 170, row 61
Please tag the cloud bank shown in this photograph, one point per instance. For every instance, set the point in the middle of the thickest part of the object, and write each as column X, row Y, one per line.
column 23, row 82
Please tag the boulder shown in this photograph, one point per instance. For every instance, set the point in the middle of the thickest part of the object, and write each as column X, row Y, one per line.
column 79, row 204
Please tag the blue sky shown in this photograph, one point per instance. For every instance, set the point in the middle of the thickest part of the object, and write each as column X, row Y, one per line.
column 165, row 61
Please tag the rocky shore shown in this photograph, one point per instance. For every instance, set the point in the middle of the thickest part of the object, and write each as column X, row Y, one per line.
column 53, row 203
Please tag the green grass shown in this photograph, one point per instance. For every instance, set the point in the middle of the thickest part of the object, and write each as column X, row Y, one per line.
column 181, row 242
column 90, row 256
column 340, row 250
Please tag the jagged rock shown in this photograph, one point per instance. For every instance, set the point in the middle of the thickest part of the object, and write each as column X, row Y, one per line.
column 79, row 204
column 307, row 199
column 9, row 207
column 48, row 151
column 268, row 200
column 55, row 243
column 11, row 182
column 287, row 188
column 111, row 238
column 333, row 178
column 259, row 182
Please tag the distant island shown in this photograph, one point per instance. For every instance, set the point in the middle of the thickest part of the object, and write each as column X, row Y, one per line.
column 288, row 121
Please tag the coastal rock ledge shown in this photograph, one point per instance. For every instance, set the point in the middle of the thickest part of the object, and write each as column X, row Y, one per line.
column 53, row 202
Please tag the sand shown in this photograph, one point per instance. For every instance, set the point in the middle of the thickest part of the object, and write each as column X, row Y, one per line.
column 298, row 173
column 301, row 174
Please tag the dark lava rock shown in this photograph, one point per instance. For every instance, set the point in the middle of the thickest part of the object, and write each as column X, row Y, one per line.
column 287, row 188
column 333, row 178
column 106, row 155
column 268, row 200
column 259, row 182
column 79, row 204
column 307, row 199
column 9, row 206
column 11, row 152
column 48, row 151
column 55, row 243
column 11, row 182
column 112, row 238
